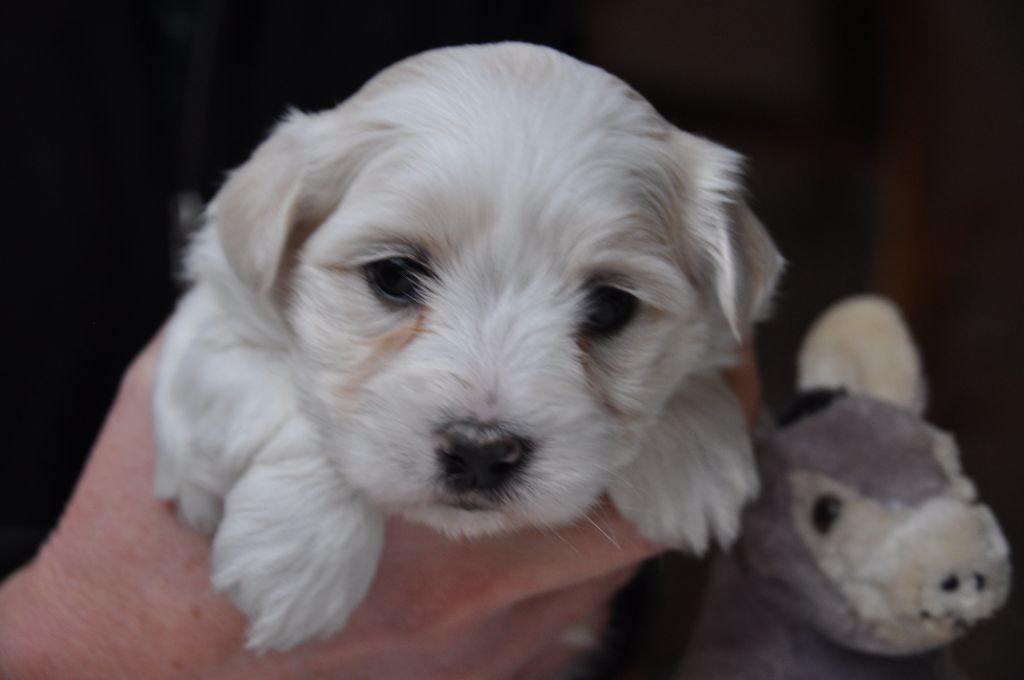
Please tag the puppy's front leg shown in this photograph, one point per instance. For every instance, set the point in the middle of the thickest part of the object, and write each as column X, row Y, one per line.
column 296, row 550
column 695, row 469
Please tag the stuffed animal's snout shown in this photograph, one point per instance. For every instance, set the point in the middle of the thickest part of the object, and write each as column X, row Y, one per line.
column 947, row 567
column 970, row 577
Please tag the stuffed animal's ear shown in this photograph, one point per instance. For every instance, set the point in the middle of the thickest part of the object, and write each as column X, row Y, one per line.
column 863, row 345
column 727, row 248
column 270, row 204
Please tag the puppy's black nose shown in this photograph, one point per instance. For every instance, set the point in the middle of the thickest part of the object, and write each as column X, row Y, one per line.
column 477, row 456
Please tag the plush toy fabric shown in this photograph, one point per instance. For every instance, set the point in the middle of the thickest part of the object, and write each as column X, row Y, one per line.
column 867, row 551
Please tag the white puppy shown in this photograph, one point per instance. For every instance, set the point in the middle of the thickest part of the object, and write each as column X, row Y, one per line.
column 487, row 289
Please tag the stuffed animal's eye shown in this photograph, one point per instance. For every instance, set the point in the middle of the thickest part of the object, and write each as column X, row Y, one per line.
column 397, row 279
column 607, row 310
column 826, row 512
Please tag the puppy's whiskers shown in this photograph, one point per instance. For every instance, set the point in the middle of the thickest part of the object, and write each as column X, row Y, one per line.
column 615, row 475
column 548, row 527
column 603, row 532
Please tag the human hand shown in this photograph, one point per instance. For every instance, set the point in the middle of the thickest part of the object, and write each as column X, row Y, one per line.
column 122, row 589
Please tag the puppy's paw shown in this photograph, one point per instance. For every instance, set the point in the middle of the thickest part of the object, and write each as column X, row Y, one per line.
column 695, row 471
column 199, row 508
column 296, row 551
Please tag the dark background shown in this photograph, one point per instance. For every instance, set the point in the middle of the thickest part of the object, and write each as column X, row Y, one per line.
column 885, row 143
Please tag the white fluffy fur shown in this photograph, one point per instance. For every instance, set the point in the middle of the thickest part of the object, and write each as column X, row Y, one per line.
column 294, row 409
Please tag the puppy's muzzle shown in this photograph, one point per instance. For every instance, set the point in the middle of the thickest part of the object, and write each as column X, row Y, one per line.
column 477, row 456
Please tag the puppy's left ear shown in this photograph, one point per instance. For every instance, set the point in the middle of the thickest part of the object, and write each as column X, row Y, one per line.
column 724, row 245
column 277, row 198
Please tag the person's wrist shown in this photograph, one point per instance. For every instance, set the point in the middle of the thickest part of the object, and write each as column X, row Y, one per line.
column 14, row 662
column 35, row 639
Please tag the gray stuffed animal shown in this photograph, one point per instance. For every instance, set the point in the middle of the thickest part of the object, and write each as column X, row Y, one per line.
column 867, row 550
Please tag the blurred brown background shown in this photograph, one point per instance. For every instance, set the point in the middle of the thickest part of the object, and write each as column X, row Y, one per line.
column 884, row 141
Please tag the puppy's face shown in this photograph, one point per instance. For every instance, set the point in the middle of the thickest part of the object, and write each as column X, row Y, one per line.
column 500, row 281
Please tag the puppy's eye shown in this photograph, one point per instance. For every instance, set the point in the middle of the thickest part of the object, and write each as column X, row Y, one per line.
column 397, row 279
column 607, row 310
column 825, row 513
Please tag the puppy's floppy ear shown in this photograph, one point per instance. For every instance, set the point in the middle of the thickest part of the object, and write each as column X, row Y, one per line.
column 273, row 202
column 724, row 244
column 695, row 470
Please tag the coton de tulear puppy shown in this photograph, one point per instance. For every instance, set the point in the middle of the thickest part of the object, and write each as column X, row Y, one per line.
column 489, row 288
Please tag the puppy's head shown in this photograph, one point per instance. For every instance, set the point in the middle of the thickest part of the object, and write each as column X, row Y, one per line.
column 496, row 264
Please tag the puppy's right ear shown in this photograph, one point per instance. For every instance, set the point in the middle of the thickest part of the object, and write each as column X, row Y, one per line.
column 695, row 471
column 726, row 247
column 273, row 202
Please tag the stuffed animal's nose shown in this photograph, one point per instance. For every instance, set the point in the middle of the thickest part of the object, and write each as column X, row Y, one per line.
column 970, row 589
column 965, row 592
column 477, row 456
